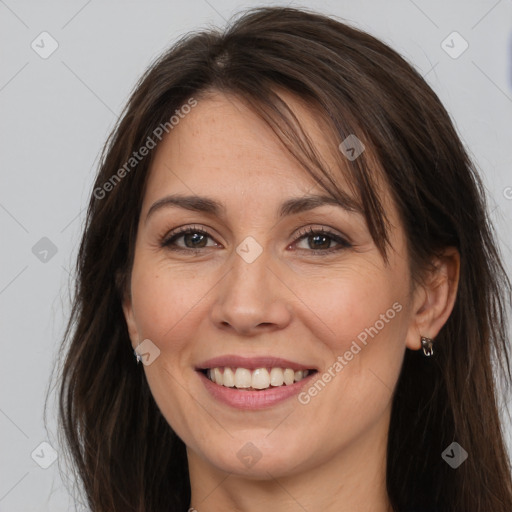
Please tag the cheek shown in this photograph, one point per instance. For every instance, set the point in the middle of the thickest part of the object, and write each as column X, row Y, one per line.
column 361, row 322
column 164, row 301
column 351, row 304
column 166, row 306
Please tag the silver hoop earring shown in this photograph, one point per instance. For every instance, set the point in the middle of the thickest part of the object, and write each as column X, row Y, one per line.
column 428, row 346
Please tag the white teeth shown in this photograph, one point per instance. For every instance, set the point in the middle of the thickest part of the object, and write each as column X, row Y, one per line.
column 288, row 376
column 276, row 377
column 260, row 378
column 243, row 378
column 228, row 378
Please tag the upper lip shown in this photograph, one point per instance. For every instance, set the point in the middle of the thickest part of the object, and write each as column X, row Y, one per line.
column 251, row 363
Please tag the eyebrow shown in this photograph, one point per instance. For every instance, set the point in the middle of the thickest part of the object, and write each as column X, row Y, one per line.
column 291, row 206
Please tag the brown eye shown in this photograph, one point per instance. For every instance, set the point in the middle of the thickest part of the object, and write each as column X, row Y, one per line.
column 193, row 239
column 319, row 241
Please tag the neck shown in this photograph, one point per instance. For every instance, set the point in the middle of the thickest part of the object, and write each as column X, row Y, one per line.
column 353, row 480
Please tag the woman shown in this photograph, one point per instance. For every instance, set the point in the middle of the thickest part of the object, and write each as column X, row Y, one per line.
column 288, row 234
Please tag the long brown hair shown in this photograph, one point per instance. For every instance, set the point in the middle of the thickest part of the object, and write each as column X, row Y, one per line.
column 126, row 455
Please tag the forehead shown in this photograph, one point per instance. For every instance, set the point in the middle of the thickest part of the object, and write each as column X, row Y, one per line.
column 223, row 148
column 222, row 139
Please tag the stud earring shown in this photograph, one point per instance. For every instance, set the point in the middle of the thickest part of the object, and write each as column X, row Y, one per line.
column 138, row 357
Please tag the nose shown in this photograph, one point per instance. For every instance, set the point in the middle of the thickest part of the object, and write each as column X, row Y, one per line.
column 251, row 298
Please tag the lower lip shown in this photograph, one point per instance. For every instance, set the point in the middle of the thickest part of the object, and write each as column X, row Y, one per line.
column 253, row 400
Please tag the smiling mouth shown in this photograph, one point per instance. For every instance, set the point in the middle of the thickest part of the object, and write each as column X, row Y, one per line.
column 258, row 379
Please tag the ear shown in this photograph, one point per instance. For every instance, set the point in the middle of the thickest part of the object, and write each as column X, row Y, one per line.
column 433, row 300
column 130, row 320
column 123, row 286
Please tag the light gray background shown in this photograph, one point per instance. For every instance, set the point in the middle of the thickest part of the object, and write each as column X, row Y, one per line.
column 57, row 112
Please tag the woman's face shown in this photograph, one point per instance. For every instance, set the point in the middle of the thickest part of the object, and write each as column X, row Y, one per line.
column 257, row 292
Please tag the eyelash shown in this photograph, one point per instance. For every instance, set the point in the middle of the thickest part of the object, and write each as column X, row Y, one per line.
column 169, row 239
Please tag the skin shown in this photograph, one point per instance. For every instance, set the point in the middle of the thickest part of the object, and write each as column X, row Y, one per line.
column 328, row 454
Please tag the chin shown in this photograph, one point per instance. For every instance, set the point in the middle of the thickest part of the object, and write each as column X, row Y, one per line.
column 251, row 460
